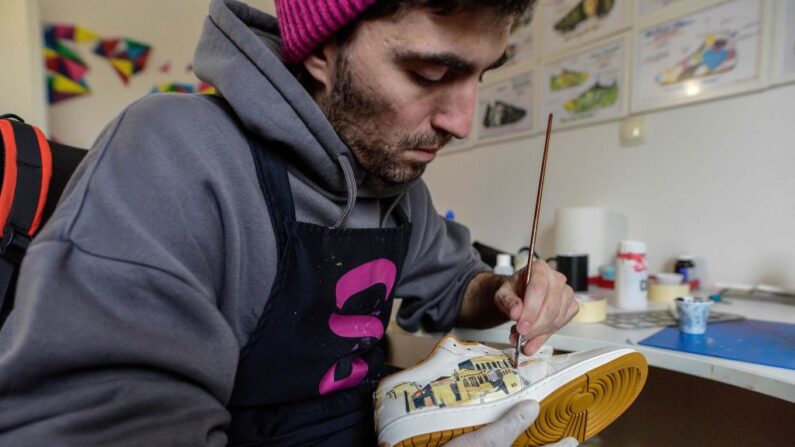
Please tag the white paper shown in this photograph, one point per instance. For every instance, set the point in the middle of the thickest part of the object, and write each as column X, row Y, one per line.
column 788, row 44
column 699, row 54
column 521, row 42
column 651, row 7
column 506, row 108
column 588, row 86
column 568, row 23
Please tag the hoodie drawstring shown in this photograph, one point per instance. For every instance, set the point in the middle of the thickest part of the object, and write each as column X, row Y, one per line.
column 350, row 186
column 391, row 208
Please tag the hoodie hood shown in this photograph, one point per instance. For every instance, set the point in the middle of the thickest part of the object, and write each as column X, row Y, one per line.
column 239, row 54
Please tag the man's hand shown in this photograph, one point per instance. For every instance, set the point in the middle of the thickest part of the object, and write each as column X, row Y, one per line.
column 548, row 304
column 504, row 431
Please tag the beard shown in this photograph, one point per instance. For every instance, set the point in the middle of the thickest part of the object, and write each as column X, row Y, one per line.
column 365, row 123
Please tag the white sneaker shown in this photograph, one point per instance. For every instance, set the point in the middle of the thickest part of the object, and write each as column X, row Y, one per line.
column 463, row 385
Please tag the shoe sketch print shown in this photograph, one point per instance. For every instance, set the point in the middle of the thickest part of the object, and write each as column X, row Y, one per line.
column 500, row 113
column 599, row 96
column 717, row 54
column 585, row 10
column 567, row 79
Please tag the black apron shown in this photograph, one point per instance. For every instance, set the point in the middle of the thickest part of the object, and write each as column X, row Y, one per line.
column 307, row 374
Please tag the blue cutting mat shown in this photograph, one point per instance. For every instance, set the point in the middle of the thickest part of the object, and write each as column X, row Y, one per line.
column 753, row 341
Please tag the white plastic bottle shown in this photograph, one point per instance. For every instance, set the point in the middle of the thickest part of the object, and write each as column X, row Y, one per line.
column 520, row 259
column 631, row 275
column 503, row 266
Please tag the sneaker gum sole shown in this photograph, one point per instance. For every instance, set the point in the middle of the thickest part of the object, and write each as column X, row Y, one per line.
column 581, row 408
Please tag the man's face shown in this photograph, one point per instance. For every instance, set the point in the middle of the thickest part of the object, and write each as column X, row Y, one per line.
column 403, row 86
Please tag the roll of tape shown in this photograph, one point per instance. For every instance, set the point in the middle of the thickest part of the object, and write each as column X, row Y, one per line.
column 592, row 310
column 667, row 293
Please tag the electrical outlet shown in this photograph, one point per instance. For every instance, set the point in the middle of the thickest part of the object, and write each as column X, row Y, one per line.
column 633, row 130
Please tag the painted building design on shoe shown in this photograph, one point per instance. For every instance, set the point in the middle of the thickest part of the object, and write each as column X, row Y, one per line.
column 477, row 380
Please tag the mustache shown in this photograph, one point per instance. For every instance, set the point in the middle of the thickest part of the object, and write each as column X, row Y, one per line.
column 436, row 140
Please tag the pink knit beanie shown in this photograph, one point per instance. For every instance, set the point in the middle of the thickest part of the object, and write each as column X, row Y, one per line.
column 304, row 24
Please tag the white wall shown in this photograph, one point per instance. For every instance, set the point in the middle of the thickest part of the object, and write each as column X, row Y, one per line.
column 172, row 28
column 22, row 84
column 714, row 179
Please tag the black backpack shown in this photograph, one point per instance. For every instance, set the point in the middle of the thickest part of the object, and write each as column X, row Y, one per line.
column 34, row 172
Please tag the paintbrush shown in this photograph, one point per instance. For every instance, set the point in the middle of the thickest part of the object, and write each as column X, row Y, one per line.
column 529, row 270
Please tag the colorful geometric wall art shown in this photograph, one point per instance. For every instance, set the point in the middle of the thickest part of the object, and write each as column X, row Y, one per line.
column 127, row 56
column 69, row 32
column 65, row 69
column 182, row 87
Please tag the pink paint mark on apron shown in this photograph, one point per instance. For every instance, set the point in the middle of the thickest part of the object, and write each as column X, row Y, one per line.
column 358, row 371
column 378, row 271
column 355, row 326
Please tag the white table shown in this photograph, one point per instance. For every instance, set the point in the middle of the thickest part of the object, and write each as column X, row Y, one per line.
column 776, row 382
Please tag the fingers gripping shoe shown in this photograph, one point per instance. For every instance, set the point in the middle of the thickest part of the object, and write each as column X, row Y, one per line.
column 462, row 385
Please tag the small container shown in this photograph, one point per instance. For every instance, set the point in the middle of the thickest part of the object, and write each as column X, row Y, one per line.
column 575, row 268
column 606, row 278
column 503, row 266
column 632, row 276
column 686, row 266
column 669, row 278
column 520, row 260
column 607, row 272
column 693, row 314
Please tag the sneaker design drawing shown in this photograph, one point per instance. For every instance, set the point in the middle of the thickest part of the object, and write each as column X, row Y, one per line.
column 567, row 79
column 717, row 54
column 582, row 12
column 597, row 97
column 462, row 386
column 500, row 113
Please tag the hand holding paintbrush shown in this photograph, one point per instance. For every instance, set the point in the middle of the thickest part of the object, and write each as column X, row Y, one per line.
column 546, row 302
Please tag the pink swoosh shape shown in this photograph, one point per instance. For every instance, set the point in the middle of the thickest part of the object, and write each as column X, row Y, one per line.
column 356, row 326
column 328, row 384
column 378, row 271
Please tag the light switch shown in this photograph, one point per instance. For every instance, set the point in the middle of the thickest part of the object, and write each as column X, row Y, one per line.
column 633, row 130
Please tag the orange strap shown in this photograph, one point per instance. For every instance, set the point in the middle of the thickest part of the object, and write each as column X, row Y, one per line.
column 9, row 172
column 46, row 175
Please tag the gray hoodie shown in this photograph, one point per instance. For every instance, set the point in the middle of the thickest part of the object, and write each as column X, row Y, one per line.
column 135, row 300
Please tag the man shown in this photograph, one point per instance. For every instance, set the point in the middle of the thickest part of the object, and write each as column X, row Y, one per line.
column 222, row 268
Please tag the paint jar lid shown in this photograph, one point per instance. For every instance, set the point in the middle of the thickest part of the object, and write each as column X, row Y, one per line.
column 503, row 259
column 628, row 246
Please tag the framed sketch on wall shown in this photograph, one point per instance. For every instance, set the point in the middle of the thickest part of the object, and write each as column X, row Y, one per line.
column 505, row 108
column 522, row 50
column 587, row 86
column 648, row 8
column 522, row 41
column 712, row 52
column 654, row 10
column 784, row 57
column 566, row 24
